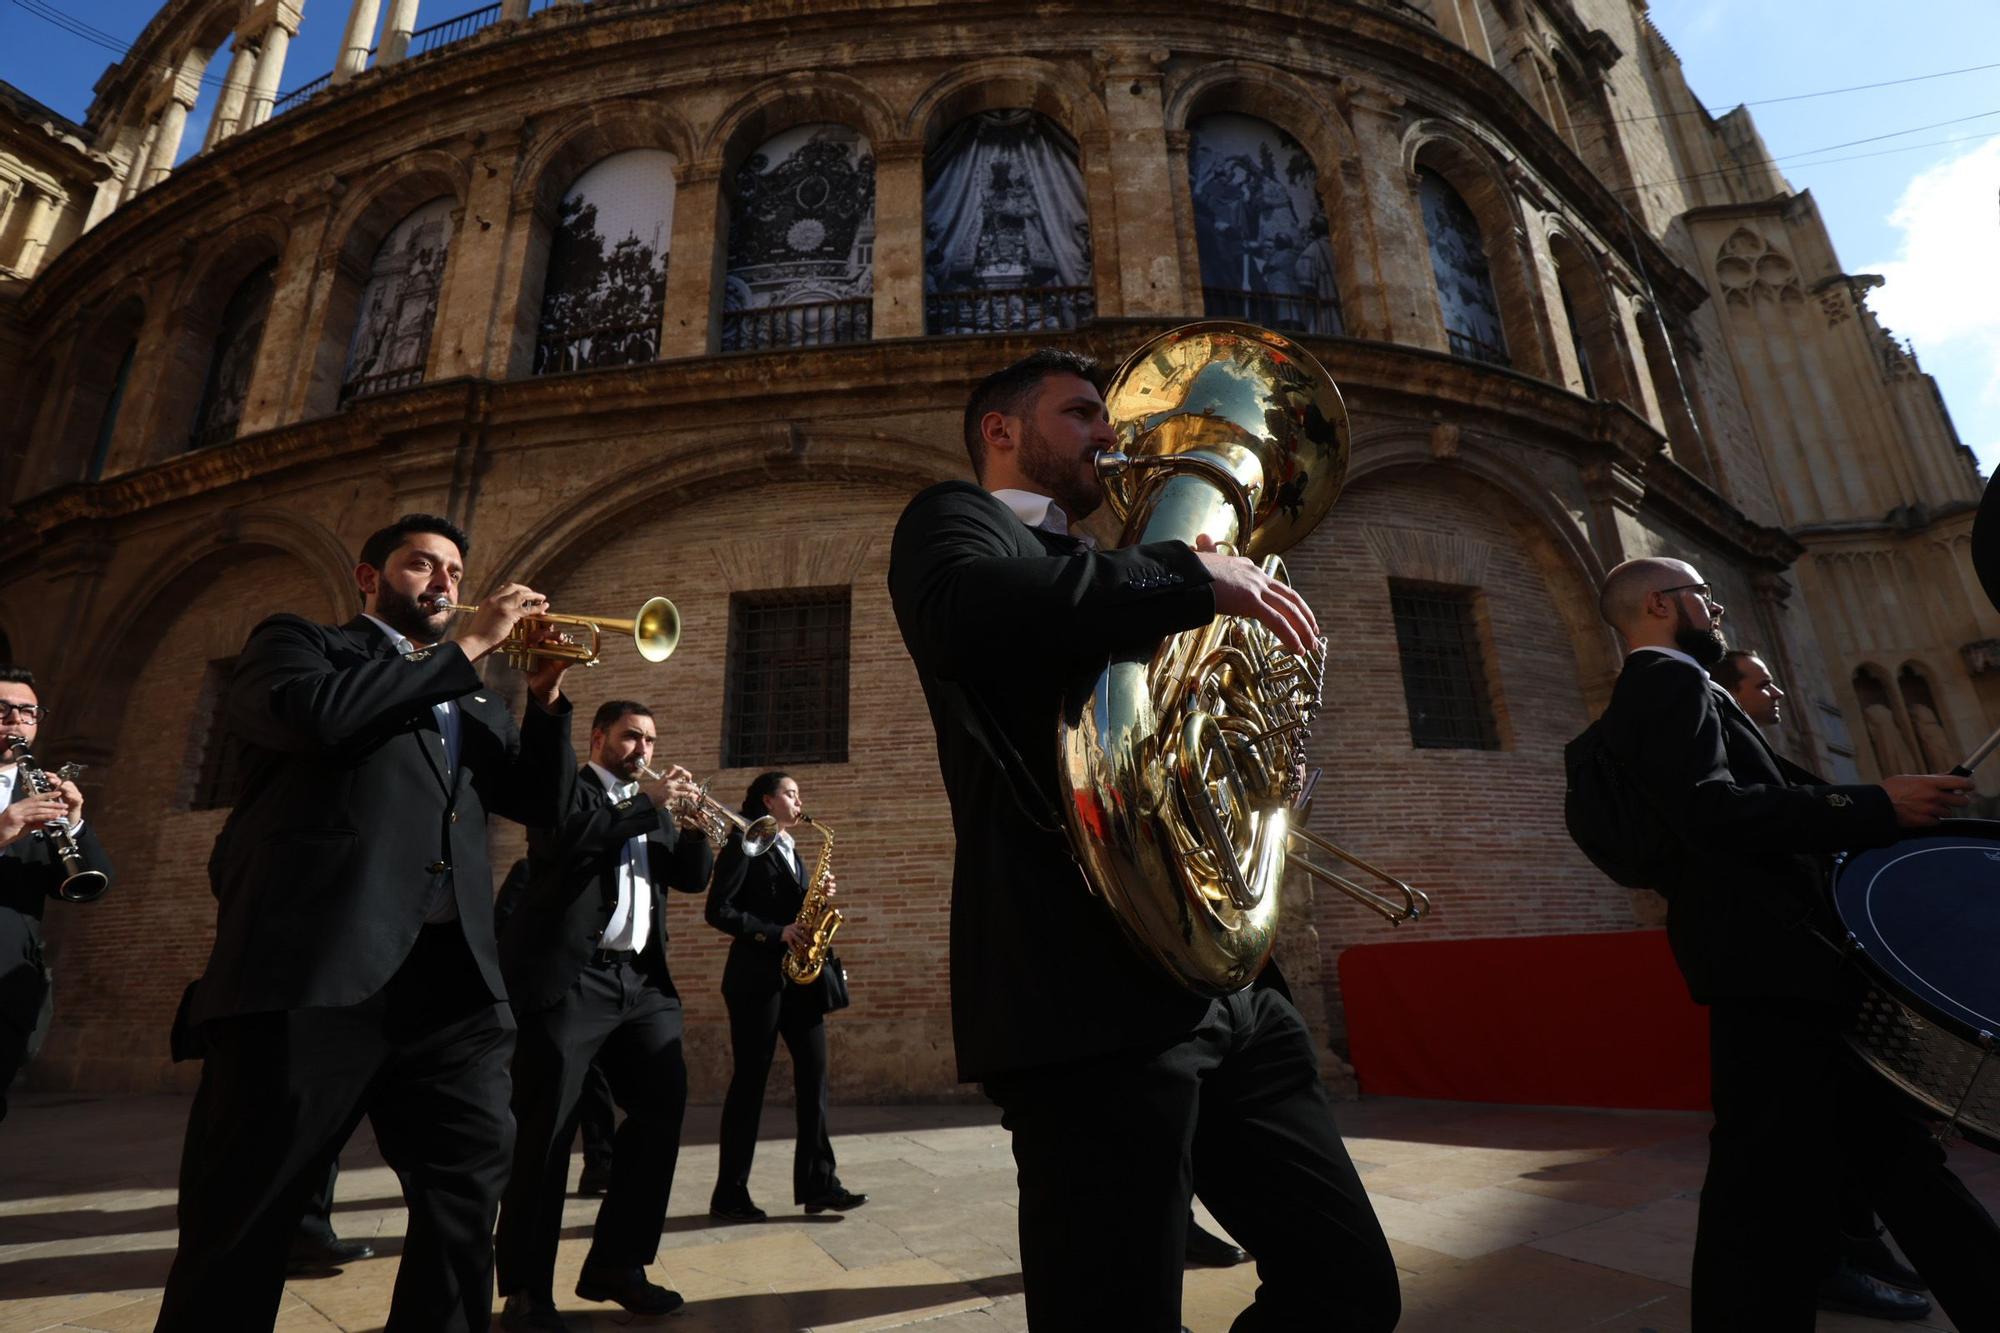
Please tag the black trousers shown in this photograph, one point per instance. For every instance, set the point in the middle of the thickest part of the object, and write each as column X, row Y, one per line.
column 1797, row 1117
column 1110, row 1151
column 756, row 1021
column 597, row 1117
column 316, row 1222
column 425, row 1058
column 611, row 1014
column 24, row 985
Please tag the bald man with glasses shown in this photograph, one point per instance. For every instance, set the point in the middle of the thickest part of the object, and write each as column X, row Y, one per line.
column 1750, row 925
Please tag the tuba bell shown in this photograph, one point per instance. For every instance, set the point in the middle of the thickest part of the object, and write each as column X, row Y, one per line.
column 1180, row 771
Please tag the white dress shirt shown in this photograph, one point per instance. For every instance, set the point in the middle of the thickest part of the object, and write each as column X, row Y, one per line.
column 1039, row 511
column 783, row 843
column 447, row 712
column 633, row 915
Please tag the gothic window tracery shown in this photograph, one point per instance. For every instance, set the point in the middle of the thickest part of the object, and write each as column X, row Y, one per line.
column 392, row 336
column 1260, row 226
column 1006, row 227
column 235, row 353
column 1753, row 272
column 1466, row 297
column 606, row 290
column 802, row 242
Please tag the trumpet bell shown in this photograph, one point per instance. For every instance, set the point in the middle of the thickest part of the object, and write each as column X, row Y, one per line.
column 657, row 630
column 760, row 835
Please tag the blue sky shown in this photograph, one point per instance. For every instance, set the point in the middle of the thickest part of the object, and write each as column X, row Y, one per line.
column 1923, row 212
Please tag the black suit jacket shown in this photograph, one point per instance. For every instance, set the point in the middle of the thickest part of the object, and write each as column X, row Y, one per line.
column 1008, row 627
column 30, row 870
column 572, row 890
column 752, row 899
column 1749, row 891
column 349, row 810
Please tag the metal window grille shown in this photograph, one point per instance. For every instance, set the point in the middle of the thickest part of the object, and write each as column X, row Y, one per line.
column 219, row 778
column 786, row 697
column 1444, row 667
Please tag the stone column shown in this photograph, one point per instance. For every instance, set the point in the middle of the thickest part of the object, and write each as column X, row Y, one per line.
column 513, row 9
column 355, row 40
column 270, row 69
column 695, row 261
column 228, row 115
column 477, row 279
column 1149, row 276
column 38, row 227
column 167, row 145
column 1396, row 292
column 284, row 357
column 899, row 239
column 396, row 32
column 135, row 175
column 110, row 191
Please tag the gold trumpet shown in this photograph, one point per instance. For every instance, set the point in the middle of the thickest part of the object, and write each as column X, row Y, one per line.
column 712, row 819
column 655, row 631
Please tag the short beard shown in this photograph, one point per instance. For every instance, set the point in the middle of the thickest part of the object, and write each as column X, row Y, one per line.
column 407, row 617
column 1706, row 646
column 1056, row 477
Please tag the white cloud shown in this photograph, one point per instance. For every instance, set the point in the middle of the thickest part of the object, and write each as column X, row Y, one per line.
column 1943, row 290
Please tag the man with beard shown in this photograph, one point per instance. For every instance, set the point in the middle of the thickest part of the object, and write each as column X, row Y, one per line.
column 1121, row 1090
column 354, row 969
column 585, row 956
column 1795, row 1111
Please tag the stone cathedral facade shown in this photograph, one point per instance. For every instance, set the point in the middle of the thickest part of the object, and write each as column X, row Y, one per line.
column 667, row 296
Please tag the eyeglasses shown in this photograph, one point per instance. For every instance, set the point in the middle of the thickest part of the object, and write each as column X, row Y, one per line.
column 32, row 712
column 1707, row 595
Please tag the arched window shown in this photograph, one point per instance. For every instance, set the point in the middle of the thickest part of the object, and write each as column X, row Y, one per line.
column 1006, row 228
column 1888, row 740
column 1464, row 278
column 107, row 422
column 607, row 279
column 392, row 336
column 802, row 242
column 235, row 354
column 1266, row 252
column 1926, row 720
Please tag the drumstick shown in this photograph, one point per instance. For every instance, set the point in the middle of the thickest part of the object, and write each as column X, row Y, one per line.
column 1977, row 757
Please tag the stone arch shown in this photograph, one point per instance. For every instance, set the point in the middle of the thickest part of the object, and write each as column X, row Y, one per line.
column 1591, row 318
column 552, row 166
column 1471, row 169
column 797, row 99
column 1281, row 99
column 363, row 222
column 85, row 400
column 194, row 320
column 1886, row 735
column 1011, row 81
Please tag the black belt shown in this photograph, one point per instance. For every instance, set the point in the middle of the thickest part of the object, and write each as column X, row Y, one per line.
column 611, row 957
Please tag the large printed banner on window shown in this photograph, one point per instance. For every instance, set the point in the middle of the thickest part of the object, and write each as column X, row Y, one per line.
column 1260, row 226
column 1464, row 278
column 606, row 290
column 392, row 338
column 802, row 242
column 1006, row 228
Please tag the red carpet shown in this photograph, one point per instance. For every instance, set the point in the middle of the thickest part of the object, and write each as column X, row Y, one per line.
column 1546, row 1020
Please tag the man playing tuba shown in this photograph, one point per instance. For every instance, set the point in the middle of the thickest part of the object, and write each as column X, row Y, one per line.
column 1123, row 1091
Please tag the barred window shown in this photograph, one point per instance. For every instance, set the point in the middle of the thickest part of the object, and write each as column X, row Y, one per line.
column 219, row 766
column 786, row 697
column 1444, row 667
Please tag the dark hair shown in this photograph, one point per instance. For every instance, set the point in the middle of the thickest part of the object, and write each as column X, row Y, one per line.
column 1730, row 671
column 378, row 548
column 16, row 675
column 611, row 710
column 764, row 784
column 1004, row 390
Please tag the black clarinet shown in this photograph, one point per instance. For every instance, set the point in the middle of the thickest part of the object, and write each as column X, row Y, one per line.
column 83, row 884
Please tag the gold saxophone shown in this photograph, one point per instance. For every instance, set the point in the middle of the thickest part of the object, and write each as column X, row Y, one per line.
column 817, row 914
column 1180, row 772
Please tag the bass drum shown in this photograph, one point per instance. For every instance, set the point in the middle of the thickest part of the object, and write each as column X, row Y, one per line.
column 1923, row 929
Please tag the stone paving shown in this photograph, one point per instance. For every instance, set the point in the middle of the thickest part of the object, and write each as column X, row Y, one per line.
column 1504, row 1220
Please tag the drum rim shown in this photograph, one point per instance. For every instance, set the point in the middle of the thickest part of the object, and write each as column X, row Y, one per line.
column 1877, row 975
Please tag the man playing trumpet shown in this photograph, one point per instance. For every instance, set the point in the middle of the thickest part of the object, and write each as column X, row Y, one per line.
column 354, row 969
column 586, row 964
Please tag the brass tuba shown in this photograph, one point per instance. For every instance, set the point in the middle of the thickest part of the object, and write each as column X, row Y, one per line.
column 1180, row 771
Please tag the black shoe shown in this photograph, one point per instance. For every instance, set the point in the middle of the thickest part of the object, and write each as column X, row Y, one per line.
column 627, row 1287
column 319, row 1254
column 1205, row 1249
column 596, row 1179
column 741, row 1211
column 531, row 1314
column 1851, row 1291
column 1873, row 1257
column 838, row 1201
